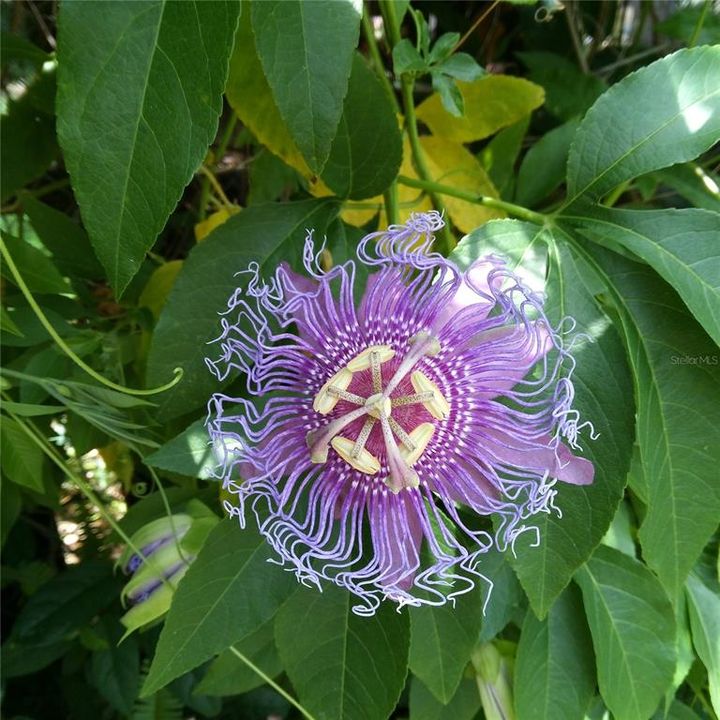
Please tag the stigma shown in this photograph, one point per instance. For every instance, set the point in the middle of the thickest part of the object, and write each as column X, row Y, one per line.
column 376, row 397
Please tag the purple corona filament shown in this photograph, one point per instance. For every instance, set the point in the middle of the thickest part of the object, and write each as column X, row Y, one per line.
column 371, row 428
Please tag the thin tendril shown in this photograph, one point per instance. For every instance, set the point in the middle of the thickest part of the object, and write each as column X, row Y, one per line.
column 271, row 682
column 63, row 345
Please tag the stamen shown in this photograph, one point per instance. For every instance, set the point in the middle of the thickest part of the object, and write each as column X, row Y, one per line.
column 363, row 360
column 325, row 401
column 413, row 399
column 437, row 405
column 345, row 395
column 365, row 461
column 363, row 436
column 420, row 436
column 376, row 371
column 405, row 439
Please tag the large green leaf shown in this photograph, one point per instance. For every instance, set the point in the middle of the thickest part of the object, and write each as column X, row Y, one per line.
column 265, row 234
column 367, row 150
column 543, row 167
column 229, row 591
column 229, row 675
column 23, row 458
column 633, row 631
column 704, row 610
column 189, row 453
column 554, row 667
column 65, row 603
column 306, row 50
column 464, row 705
column 139, row 94
column 681, row 245
column 665, row 113
column 36, row 269
column 603, row 396
column 343, row 666
column 677, row 386
column 442, row 639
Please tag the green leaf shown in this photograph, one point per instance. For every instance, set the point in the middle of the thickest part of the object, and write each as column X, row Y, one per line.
column 693, row 183
column 65, row 603
column 442, row 639
column 450, row 95
column 704, row 610
column 681, row 245
column 189, row 453
column 500, row 154
column 139, row 94
column 27, row 136
column 10, row 508
column 543, row 167
column 407, row 59
column 443, row 47
column 7, row 324
column 464, row 705
column 36, row 269
column 189, row 320
column 19, row 659
column 681, row 25
column 665, row 113
column 229, row 591
column 677, row 711
column 29, row 410
column 306, row 50
column 506, row 596
column 358, row 663
column 677, row 381
column 461, row 66
column 22, row 457
column 603, row 396
column 366, row 152
column 228, row 675
column 633, row 632
column 568, row 91
column 554, row 667
column 115, row 671
column 65, row 239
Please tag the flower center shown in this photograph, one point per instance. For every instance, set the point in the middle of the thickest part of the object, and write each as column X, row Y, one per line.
column 402, row 448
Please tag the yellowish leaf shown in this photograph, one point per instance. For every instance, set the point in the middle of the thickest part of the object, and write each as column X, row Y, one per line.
column 491, row 103
column 158, row 287
column 204, row 228
column 451, row 164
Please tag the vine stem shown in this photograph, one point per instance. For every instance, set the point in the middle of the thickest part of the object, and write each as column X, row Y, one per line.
column 516, row 211
column 66, row 348
column 407, row 85
column 700, row 23
column 217, row 187
column 271, row 682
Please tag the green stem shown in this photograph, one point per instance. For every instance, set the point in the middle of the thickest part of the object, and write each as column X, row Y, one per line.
column 418, row 156
column 699, row 26
column 377, row 60
column 511, row 209
column 271, row 682
column 63, row 345
column 390, row 196
column 615, row 194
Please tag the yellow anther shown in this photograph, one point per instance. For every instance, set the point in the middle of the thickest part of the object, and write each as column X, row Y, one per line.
column 432, row 344
column 379, row 405
column 325, row 401
column 362, row 361
column 437, row 406
column 420, row 436
column 365, row 461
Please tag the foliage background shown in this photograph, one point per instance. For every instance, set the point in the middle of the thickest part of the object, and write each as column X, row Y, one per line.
column 152, row 149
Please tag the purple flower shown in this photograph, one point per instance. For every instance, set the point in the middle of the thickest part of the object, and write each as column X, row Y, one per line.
column 368, row 430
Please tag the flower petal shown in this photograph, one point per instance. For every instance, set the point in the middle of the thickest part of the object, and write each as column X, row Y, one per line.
column 559, row 462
